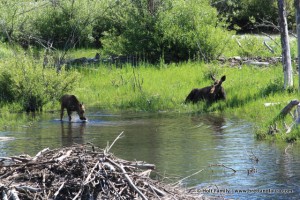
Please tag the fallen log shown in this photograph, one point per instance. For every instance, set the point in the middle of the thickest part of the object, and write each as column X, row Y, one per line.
column 273, row 128
column 287, row 109
column 254, row 62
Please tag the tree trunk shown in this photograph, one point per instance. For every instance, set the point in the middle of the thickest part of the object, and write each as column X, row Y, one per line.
column 297, row 6
column 286, row 55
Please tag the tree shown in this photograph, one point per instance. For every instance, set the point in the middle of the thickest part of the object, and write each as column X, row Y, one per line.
column 297, row 6
column 286, row 54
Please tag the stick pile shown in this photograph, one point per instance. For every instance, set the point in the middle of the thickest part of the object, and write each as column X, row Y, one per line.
column 81, row 172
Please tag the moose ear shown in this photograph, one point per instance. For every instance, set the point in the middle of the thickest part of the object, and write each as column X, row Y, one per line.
column 223, row 78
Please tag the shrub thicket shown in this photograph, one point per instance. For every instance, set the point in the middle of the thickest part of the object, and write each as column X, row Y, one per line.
column 253, row 15
column 25, row 81
column 174, row 30
column 177, row 30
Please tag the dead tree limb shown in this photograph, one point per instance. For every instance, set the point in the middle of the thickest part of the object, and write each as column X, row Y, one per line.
column 109, row 147
column 270, row 48
column 128, row 179
column 287, row 109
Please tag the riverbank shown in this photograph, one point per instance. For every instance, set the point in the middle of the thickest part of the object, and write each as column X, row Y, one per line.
column 148, row 88
column 249, row 89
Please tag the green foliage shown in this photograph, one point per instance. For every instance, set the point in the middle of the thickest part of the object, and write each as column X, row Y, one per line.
column 175, row 30
column 191, row 31
column 172, row 30
column 24, row 80
column 136, row 32
column 253, row 15
column 165, row 87
column 6, row 83
column 65, row 24
column 62, row 24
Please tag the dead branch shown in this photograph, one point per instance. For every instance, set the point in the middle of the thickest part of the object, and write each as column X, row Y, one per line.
column 222, row 165
column 108, row 148
column 212, row 165
column 61, row 158
column 79, row 172
column 270, row 48
column 59, row 189
column 129, row 179
column 271, row 38
column 287, row 109
column 180, row 181
column 40, row 153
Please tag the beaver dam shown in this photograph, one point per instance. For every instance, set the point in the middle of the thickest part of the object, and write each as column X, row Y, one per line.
column 82, row 172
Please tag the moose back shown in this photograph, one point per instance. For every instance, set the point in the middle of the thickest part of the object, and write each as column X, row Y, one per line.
column 210, row 94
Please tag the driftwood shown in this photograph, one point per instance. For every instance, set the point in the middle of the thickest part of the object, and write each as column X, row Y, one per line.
column 287, row 109
column 82, row 172
column 273, row 128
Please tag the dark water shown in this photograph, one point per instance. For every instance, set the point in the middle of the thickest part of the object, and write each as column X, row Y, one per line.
column 179, row 145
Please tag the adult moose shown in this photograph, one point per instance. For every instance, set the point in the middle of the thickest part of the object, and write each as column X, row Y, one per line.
column 210, row 94
column 71, row 103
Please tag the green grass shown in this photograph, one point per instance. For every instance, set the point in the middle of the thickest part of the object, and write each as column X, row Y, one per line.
column 165, row 88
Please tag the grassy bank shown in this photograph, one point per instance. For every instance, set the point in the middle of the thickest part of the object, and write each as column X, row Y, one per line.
column 165, row 87
column 144, row 88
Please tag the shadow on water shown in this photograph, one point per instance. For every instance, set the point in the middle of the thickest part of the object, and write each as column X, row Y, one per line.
column 179, row 145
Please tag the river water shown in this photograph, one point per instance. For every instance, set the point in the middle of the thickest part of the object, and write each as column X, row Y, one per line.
column 200, row 151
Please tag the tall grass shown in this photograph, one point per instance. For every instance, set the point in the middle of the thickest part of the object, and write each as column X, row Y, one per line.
column 165, row 87
column 157, row 88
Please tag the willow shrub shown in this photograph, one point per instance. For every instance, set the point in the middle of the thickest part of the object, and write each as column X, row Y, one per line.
column 24, row 80
column 172, row 30
column 191, row 30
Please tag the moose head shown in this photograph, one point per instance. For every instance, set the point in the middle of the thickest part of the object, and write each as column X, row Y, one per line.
column 210, row 94
column 81, row 111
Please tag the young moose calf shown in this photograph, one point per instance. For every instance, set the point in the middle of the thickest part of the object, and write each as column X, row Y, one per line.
column 71, row 103
column 210, row 94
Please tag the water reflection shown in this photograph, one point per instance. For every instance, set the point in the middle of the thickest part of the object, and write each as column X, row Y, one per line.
column 212, row 121
column 178, row 144
column 72, row 133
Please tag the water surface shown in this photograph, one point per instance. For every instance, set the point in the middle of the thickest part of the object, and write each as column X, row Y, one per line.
column 179, row 145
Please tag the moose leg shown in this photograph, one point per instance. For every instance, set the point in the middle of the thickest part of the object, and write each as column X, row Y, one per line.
column 61, row 113
column 69, row 114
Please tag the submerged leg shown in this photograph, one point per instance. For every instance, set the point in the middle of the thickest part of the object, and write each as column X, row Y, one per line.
column 61, row 113
column 69, row 114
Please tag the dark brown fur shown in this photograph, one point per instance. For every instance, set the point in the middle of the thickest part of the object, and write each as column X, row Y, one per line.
column 210, row 94
column 71, row 103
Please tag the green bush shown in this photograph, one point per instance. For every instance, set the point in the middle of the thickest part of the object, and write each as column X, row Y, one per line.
column 175, row 30
column 24, row 80
column 253, row 15
column 191, row 30
column 66, row 24
column 6, row 87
